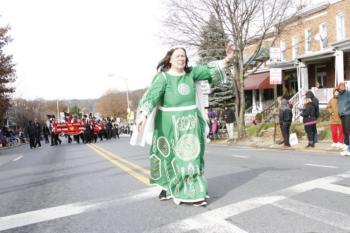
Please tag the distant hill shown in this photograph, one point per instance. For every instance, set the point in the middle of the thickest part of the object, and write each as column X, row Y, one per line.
column 89, row 105
column 85, row 105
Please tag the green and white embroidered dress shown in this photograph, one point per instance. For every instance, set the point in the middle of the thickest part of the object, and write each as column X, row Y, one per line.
column 178, row 143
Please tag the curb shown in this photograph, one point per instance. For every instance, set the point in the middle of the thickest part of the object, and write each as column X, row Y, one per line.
column 280, row 147
column 10, row 147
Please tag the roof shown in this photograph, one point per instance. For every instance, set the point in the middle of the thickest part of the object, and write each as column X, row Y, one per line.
column 258, row 81
column 342, row 45
column 285, row 65
column 326, row 53
column 309, row 10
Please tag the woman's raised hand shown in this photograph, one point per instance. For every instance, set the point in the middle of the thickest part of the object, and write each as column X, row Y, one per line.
column 229, row 53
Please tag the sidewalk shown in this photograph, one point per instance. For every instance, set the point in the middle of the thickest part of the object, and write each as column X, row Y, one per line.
column 263, row 142
column 3, row 148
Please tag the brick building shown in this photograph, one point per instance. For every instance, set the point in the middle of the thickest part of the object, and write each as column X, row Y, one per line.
column 314, row 51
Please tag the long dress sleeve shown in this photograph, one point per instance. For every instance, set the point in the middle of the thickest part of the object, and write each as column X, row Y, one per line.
column 152, row 96
column 213, row 72
column 146, row 111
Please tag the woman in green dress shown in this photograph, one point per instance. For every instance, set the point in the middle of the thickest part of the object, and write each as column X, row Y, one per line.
column 179, row 132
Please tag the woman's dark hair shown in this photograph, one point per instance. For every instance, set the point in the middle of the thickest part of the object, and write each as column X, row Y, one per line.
column 164, row 64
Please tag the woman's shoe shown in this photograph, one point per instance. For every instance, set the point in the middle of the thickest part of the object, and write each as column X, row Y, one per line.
column 345, row 153
column 162, row 196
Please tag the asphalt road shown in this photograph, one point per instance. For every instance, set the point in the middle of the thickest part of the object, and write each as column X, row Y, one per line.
column 103, row 187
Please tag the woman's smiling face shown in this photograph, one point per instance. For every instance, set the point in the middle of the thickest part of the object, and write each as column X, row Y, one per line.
column 178, row 59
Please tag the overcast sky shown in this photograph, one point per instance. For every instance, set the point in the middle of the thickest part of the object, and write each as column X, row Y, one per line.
column 65, row 49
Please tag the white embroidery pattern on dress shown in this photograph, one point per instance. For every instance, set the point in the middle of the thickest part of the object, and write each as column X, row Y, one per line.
column 188, row 147
column 183, row 89
column 146, row 107
column 156, row 167
column 163, row 146
column 186, row 122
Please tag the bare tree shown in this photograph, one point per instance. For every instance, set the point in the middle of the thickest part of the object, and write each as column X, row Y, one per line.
column 22, row 110
column 112, row 104
column 245, row 22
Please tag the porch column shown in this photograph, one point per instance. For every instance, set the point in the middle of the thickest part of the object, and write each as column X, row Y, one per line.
column 339, row 67
column 304, row 77
column 261, row 92
column 254, row 100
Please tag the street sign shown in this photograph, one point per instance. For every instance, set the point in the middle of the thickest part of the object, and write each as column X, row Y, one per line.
column 205, row 100
column 275, row 76
column 205, row 87
column 275, row 54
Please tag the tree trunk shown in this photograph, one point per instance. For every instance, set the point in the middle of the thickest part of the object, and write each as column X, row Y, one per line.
column 241, row 127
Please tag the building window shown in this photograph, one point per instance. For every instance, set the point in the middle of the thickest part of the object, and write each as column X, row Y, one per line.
column 321, row 76
column 283, row 50
column 294, row 47
column 323, row 36
column 340, row 27
column 308, row 40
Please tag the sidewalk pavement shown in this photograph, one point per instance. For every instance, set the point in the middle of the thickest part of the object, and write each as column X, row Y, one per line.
column 3, row 148
column 263, row 142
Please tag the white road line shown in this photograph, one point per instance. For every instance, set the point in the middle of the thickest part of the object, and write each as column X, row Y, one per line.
column 336, row 188
column 18, row 158
column 220, row 226
column 309, row 185
column 216, row 217
column 222, row 213
column 329, row 217
column 205, row 224
column 240, row 156
column 345, row 175
column 319, row 165
column 37, row 216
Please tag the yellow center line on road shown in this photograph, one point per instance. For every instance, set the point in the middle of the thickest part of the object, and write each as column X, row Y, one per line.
column 131, row 172
column 137, row 167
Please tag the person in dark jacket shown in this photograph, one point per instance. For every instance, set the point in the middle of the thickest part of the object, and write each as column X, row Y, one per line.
column 38, row 130
column 229, row 117
column 31, row 134
column 315, row 103
column 309, row 119
column 46, row 132
column 344, row 113
column 285, row 120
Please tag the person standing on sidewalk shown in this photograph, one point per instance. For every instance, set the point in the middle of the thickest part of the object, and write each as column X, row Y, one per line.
column 309, row 119
column 344, row 113
column 229, row 117
column 179, row 131
column 277, row 135
column 285, row 120
column 315, row 103
column 336, row 127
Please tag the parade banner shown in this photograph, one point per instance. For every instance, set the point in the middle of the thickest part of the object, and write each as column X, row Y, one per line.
column 68, row 128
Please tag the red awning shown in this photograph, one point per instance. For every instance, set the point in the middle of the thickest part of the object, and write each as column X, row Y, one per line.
column 258, row 81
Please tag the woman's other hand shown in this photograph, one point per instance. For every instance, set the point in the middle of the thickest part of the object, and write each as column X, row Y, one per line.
column 229, row 53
